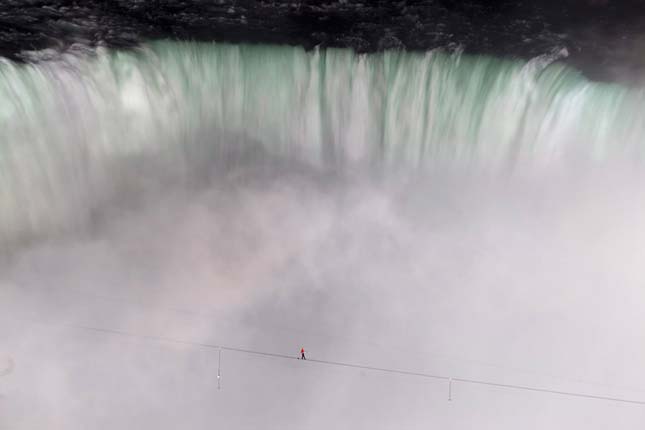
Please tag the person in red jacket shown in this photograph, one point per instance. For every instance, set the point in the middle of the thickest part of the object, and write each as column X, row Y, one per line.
column 302, row 353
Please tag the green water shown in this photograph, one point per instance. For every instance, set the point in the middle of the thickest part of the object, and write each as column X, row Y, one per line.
column 68, row 127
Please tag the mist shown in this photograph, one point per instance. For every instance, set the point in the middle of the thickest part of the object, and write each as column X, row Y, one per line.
column 523, row 279
column 523, row 273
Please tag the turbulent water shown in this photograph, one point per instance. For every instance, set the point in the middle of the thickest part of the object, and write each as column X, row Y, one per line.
column 72, row 128
column 431, row 212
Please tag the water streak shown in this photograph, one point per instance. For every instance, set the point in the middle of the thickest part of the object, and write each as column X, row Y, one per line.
column 72, row 129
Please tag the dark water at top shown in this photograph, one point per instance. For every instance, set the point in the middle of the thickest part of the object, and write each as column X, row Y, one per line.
column 601, row 37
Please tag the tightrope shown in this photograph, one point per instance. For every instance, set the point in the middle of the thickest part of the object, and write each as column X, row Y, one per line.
column 352, row 365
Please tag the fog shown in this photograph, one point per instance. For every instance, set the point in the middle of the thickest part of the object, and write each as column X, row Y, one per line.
column 457, row 216
column 530, row 278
